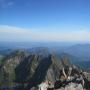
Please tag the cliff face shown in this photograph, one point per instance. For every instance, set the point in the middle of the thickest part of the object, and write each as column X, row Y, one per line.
column 25, row 70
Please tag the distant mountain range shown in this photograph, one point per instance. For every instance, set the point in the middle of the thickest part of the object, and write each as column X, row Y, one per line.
column 79, row 54
column 80, row 50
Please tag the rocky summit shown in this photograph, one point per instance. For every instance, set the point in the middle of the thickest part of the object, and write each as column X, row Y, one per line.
column 22, row 70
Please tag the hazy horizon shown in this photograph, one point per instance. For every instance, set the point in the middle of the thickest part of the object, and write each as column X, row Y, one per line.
column 45, row 20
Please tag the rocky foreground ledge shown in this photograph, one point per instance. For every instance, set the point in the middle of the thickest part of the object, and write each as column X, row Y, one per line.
column 77, row 83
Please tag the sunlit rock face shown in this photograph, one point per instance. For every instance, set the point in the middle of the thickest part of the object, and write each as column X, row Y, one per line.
column 73, row 86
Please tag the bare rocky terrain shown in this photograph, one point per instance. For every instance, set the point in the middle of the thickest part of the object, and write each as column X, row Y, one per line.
column 22, row 70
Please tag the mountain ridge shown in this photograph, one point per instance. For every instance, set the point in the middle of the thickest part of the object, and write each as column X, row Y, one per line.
column 26, row 70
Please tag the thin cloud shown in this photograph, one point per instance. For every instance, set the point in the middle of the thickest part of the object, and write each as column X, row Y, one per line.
column 8, row 33
column 10, row 3
column 6, row 3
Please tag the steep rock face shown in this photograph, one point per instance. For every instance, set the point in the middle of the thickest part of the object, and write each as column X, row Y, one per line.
column 73, row 86
column 7, row 70
column 22, row 68
column 48, row 68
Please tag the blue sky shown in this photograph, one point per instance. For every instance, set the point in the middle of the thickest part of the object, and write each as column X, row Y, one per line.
column 53, row 20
